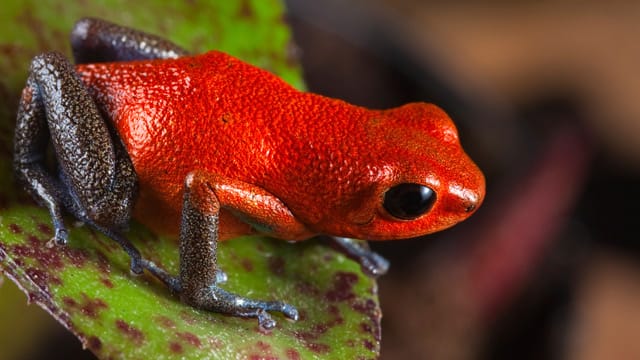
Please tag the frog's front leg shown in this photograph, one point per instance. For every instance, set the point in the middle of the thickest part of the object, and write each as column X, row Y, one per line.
column 371, row 263
column 96, row 181
column 198, row 282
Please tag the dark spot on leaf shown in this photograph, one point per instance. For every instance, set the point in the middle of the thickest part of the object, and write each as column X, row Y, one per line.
column 45, row 229
column 305, row 335
column 317, row 330
column 318, row 348
column 262, row 357
column 165, row 322
column 368, row 345
column 293, row 354
column 334, row 311
column 307, row 289
column 366, row 307
column 247, row 264
column 49, row 258
column 320, row 328
column 351, row 343
column 35, row 297
column 303, row 315
column 42, row 278
column 263, row 346
column 276, row 265
column 77, row 257
column 15, row 228
column 189, row 338
column 33, row 240
column 188, row 317
column 91, row 307
column 365, row 327
column 175, row 347
column 69, row 302
column 369, row 308
column 94, row 344
column 342, row 287
column 132, row 333
column 108, row 283
column 103, row 263
column 87, row 306
column 246, row 10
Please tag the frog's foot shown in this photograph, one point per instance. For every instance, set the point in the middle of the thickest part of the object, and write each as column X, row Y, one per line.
column 216, row 299
column 372, row 263
column 60, row 237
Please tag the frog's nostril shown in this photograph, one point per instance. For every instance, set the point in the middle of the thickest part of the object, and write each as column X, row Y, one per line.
column 470, row 207
column 470, row 200
column 464, row 199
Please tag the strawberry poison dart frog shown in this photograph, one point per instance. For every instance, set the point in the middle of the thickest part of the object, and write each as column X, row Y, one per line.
column 208, row 148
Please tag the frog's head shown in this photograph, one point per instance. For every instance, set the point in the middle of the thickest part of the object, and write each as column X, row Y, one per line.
column 419, row 179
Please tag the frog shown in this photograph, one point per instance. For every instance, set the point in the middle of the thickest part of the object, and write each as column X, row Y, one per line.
column 206, row 148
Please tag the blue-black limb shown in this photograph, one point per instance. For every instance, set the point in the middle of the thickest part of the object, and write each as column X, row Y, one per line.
column 95, row 40
column 372, row 263
column 199, row 273
column 95, row 180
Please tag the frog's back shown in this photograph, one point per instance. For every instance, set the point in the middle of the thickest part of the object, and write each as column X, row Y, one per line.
column 187, row 104
column 208, row 112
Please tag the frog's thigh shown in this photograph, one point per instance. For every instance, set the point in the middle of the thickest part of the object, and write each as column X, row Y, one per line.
column 95, row 40
column 99, row 178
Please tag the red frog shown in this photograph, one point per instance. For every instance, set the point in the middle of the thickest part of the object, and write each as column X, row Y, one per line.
column 210, row 148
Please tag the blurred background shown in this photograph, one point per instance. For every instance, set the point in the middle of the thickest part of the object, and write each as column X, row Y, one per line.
column 543, row 93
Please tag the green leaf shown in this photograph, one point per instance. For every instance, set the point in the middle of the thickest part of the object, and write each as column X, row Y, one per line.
column 87, row 286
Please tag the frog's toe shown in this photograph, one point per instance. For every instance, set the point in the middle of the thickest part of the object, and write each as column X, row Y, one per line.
column 136, row 267
column 265, row 321
column 216, row 299
column 374, row 264
column 221, row 277
column 290, row 311
column 60, row 237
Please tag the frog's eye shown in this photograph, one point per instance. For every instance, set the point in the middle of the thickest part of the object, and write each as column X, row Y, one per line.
column 408, row 201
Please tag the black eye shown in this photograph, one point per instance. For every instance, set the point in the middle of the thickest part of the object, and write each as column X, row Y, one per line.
column 408, row 201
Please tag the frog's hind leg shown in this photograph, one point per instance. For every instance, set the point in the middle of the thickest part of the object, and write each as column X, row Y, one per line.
column 96, row 181
column 94, row 40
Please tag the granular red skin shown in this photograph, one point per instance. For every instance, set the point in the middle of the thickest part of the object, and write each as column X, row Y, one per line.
column 324, row 162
